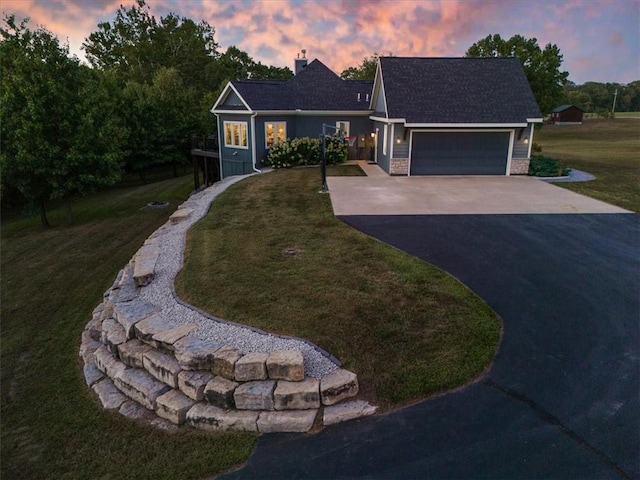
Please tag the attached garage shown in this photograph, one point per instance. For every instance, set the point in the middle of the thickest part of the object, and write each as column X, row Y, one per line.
column 460, row 153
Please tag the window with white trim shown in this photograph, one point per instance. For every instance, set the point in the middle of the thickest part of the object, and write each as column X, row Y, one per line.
column 274, row 132
column 384, row 139
column 344, row 127
column 235, row 134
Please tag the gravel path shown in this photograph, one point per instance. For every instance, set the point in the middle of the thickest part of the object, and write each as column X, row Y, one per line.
column 162, row 294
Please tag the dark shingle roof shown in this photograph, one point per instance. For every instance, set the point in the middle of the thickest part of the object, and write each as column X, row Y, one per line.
column 457, row 90
column 562, row 108
column 314, row 88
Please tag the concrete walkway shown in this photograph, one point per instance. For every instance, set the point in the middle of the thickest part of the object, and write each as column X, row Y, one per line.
column 381, row 194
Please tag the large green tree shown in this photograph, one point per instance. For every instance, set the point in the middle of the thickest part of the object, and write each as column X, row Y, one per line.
column 541, row 66
column 58, row 140
column 365, row 71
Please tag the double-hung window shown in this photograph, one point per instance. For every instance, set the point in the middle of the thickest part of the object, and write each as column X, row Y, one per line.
column 235, row 134
column 274, row 132
column 344, row 127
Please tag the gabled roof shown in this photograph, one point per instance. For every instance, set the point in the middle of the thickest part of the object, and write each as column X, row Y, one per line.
column 315, row 88
column 457, row 90
column 562, row 108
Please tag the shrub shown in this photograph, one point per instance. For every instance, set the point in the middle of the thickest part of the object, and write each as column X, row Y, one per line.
column 305, row 151
column 536, row 147
column 541, row 166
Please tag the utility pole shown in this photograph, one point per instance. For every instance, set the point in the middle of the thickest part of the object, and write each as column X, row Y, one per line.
column 615, row 96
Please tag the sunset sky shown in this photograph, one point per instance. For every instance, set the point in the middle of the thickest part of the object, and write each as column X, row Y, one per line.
column 599, row 39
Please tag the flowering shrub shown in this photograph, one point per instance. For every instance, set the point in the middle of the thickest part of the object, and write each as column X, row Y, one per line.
column 305, row 151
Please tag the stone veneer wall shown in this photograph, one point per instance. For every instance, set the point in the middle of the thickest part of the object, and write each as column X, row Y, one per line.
column 519, row 166
column 399, row 166
column 143, row 366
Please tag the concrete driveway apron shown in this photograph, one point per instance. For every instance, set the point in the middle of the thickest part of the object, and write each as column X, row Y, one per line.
column 562, row 398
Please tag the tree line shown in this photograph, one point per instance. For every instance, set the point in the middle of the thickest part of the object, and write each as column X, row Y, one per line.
column 69, row 129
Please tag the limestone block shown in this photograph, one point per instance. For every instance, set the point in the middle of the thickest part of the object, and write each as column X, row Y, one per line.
column 146, row 328
column 113, row 335
column 124, row 290
column 347, row 411
column 224, row 361
column 297, row 395
column 130, row 313
column 167, row 338
column 173, row 406
column 138, row 385
column 88, row 346
column 286, row 365
column 253, row 366
column 145, row 264
column 131, row 353
column 337, row 386
column 98, row 310
column 286, row 421
column 255, row 395
column 195, row 354
column 209, row 417
column 107, row 363
column 91, row 374
column 107, row 312
column 219, row 392
column 94, row 327
column 192, row 383
column 163, row 366
column 180, row 215
column 109, row 395
column 134, row 410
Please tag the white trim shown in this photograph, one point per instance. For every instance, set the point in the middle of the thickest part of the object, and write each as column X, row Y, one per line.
column 253, row 143
column 375, row 147
column 441, row 130
column 311, row 113
column 275, row 133
column 530, row 140
column 246, row 125
column 219, row 146
column 535, row 120
column 465, row 125
column 234, row 112
column 393, row 140
column 385, row 134
column 225, row 94
column 386, row 120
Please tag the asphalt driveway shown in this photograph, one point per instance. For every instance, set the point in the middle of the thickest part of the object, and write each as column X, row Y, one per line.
column 562, row 399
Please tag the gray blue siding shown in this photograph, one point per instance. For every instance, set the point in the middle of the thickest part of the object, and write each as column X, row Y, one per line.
column 400, row 150
column 521, row 149
column 235, row 161
column 383, row 159
column 232, row 100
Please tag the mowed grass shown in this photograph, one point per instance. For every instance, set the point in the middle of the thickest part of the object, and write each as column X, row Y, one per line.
column 52, row 424
column 408, row 329
column 608, row 149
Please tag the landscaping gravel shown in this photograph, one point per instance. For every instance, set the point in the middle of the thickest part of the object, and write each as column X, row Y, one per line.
column 160, row 292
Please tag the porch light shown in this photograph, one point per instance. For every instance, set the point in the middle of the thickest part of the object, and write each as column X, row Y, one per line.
column 373, row 135
column 525, row 140
column 397, row 139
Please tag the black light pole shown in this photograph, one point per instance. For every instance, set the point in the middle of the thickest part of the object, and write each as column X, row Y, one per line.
column 325, row 188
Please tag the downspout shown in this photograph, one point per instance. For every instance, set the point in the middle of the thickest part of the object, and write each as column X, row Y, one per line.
column 533, row 126
column 253, row 141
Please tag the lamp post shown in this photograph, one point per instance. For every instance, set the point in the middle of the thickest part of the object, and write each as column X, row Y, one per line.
column 323, row 137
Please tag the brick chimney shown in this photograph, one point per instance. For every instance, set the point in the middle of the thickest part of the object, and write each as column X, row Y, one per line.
column 301, row 63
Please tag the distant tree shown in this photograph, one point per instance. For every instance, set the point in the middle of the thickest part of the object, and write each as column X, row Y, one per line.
column 542, row 67
column 236, row 64
column 365, row 71
column 58, row 140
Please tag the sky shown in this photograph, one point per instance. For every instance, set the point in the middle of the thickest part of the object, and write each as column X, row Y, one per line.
column 598, row 39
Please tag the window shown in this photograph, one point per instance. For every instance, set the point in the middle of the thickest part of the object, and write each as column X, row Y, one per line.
column 235, row 134
column 274, row 132
column 344, row 126
column 384, row 140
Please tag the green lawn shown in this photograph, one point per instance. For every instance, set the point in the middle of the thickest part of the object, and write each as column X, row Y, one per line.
column 627, row 114
column 407, row 328
column 52, row 424
column 608, row 149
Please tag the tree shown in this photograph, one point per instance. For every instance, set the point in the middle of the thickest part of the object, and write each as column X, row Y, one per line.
column 365, row 71
column 542, row 67
column 57, row 141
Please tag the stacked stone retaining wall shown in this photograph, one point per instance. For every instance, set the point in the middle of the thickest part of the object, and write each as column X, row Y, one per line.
column 145, row 366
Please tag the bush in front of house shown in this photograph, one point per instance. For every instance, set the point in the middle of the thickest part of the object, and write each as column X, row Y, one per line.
column 541, row 166
column 305, row 151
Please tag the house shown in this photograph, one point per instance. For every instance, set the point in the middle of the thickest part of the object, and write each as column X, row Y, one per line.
column 420, row 116
column 567, row 115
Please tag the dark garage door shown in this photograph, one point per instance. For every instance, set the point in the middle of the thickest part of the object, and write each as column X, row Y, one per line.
column 459, row 153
